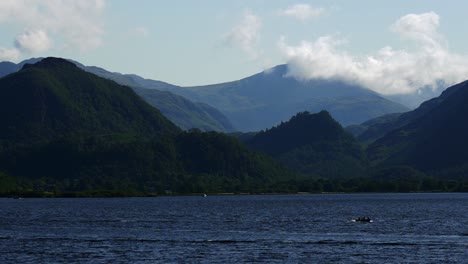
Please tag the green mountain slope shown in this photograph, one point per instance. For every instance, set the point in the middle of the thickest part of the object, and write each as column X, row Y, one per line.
column 434, row 141
column 313, row 145
column 55, row 98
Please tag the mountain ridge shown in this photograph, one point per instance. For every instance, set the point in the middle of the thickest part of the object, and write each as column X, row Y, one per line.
column 434, row 142
column 246, row 100
column 185, row 113
column 39, row 100
column 265, row 99
column 313, row 145
column 374, row 129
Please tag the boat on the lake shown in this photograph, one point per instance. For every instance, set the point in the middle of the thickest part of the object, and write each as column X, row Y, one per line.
column 363, row 220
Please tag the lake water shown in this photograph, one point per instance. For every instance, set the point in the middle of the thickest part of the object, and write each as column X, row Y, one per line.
column 407, row 228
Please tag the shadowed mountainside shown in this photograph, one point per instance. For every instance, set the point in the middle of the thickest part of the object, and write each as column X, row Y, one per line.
column 376, row 128
column 432, row 140
column 313, row 145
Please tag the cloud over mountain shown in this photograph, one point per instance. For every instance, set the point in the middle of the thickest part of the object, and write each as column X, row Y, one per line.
column 388, row 71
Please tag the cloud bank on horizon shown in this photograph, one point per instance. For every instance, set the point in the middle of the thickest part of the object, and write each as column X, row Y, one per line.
column 76, row 23
column 388, row 71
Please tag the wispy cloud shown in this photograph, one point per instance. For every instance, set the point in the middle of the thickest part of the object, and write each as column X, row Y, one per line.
column 76, row 23
column 246, row 34
column 141, row 31
column 303, row 12
column 388, row 71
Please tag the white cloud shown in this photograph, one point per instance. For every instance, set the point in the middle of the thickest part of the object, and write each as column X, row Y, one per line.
column 33, row 41
column 422, row 27
column 76, row 23
column 303, row 12
column 388, row 71
column 246, row 34
column 141, row 31
column 9, row 54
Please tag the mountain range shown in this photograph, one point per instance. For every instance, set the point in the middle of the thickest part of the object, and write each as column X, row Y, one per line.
column 64, row 130
column 253, row 103
column 183, row 112
column 267, row 98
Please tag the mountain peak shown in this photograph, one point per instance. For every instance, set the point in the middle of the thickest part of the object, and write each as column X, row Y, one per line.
column 301, row 129
column 51, row 62
column 54, row 98
column 279, row 70
column 312, row 144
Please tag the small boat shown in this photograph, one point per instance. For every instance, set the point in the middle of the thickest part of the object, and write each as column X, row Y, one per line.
column 204, row 195
column 363, row 220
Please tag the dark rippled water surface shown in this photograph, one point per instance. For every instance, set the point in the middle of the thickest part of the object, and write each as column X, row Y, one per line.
column 407, row 228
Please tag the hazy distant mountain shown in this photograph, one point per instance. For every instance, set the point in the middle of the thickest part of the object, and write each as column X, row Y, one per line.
column 313, row 145
column 265, row 99
column 375, row 128
column 185, row 113
column 414, row 99
column 181, row 111
column 431, row 138
column 7, row 67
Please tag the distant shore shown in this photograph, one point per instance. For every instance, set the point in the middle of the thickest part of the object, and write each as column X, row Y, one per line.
column 122, row 195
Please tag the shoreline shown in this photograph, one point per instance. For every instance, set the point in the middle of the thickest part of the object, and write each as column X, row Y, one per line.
column 203, row 195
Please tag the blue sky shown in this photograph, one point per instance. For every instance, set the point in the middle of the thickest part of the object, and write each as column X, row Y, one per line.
column 392, row 47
